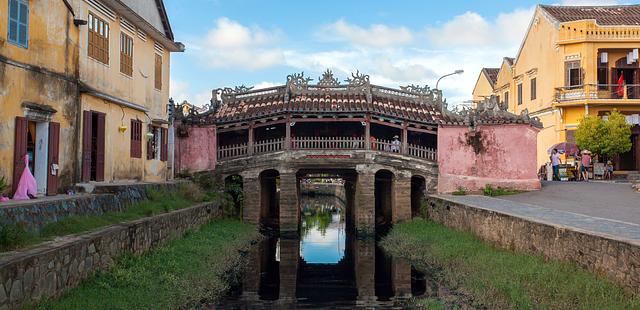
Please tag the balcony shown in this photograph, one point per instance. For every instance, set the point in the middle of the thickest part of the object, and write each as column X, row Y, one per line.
column 325, row 143
column 589, row 92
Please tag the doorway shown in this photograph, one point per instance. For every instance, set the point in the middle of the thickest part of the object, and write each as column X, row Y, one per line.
column 93, row 142
column 38, row 139
column 630, row 161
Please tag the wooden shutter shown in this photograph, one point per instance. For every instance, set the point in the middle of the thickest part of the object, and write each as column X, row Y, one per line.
column 136, row 138
column 100, row 148
column 150, row 150
column 54, row 143
column 86, row 145
column 164, row 150
column 158, row 72
column 19, row 150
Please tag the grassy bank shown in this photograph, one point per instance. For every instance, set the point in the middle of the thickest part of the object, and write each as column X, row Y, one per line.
column 502, row 279
column 15, row 237
column 181, row 274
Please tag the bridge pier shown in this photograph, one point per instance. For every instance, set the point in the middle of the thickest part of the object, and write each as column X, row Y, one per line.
column 252, row 193
column 401, row 197
column 289, row 260
column 364, row 206
column 289, row 209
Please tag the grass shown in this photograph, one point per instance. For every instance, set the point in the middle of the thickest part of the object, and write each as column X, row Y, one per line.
column 499, row 278
column 183, row 274
column 14, row 237
column 489, row 190
column 461, row 191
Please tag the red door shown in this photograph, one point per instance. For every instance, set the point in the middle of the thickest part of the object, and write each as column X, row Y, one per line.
column 53, row 161
column 164, row 150
column 100, row 147
column 86, row 145
column 19, row 150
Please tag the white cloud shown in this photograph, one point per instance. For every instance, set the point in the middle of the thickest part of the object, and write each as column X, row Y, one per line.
column 377, row 35
column 265, row 84
column 232, row 45
column 180, row 92
column 472, row 29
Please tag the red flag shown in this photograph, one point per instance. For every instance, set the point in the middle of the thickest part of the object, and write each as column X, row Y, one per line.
column 620, row 90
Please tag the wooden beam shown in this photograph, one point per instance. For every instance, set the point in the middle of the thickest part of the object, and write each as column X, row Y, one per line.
column 269, row 123
column 433, row 132
column 219, row 130
column 375, row 121
column 327, row 120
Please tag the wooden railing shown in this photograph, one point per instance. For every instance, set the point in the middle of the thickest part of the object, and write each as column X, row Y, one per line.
column 422, row 152
column 268, row 146
column 233, row 151
column 598, row 91
column 326, row 143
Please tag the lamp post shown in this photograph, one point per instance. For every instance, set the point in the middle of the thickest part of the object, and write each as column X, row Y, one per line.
column 459, row 71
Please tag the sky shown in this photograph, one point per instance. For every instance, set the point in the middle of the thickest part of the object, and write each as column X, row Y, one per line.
column 258, row 43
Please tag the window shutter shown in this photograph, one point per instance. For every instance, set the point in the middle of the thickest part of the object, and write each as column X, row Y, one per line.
column 54, row 143
column 158, row 72
column 164, row 151
column 150, row 152
column 23, row 24
column 19, row 150
column 86, row 145
column 100, row 147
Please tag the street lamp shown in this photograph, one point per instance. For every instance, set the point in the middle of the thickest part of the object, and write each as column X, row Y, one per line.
column 459, row 71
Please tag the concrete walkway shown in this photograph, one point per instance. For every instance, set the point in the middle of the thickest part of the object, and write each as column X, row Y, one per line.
column 610, row 227
column 615, row 201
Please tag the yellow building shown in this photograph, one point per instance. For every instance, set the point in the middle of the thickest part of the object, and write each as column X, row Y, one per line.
column 74, row 71
column 575, row 61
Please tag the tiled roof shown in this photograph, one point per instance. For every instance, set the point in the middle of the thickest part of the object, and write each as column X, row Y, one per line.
column 327, row 101
column 492, row 74
column 604, row 15
column 510, row 60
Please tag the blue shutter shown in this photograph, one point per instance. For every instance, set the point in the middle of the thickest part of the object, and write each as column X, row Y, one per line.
column 18, row 32
column 23, row 24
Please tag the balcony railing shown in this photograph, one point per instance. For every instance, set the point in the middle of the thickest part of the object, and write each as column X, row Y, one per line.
column 326, row 143
column 598, row 91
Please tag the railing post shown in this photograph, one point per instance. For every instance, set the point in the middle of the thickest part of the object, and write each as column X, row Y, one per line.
column 626, row 93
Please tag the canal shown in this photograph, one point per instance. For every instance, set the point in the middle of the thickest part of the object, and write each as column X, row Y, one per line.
column 326, row 267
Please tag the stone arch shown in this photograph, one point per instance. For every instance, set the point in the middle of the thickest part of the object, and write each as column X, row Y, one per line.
column 269, row 198
column 384, row 197
column 233, row 188
column 418, row 193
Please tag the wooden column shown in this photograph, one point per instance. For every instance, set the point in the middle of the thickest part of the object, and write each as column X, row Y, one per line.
column 287, row 139
column 405, row 137
column 250, row 144
column 367, row 134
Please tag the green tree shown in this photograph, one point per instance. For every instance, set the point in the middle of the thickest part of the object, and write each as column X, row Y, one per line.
column 618, row 135
column 607, row 138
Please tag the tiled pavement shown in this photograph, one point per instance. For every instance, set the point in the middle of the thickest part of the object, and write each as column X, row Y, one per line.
column 597, row 225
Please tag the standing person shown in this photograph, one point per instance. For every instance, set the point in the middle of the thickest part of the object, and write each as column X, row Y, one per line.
column 395, row 145
column 555, row 162
column 586, row 162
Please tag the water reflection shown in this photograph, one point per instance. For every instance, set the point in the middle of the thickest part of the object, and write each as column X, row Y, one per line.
column 326, row 268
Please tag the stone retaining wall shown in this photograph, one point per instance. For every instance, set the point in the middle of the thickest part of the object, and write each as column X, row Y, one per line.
column 49, row 270
column 617, row 260
column 105, row 198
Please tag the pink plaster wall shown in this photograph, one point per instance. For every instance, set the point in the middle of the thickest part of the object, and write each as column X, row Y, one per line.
column 508, row 158
column 197, row 152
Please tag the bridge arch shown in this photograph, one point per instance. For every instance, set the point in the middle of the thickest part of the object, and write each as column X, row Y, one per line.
column 384, row 197
column 418, row 191
column 269, row 198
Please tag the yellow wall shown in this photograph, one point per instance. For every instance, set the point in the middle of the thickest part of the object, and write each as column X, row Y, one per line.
column 46, row 77
column 482, row 89
column 546, row 48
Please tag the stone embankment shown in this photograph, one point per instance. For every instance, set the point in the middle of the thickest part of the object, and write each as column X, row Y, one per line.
column 615, row 257
column 33, row 214
column 49, row 270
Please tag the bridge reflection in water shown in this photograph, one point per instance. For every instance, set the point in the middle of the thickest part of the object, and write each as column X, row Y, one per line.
column 327, row 267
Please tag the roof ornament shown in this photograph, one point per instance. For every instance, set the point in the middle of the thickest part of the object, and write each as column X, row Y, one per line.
column 327, row 80
column 422, row 92
column 358, row 80
column 298, row 81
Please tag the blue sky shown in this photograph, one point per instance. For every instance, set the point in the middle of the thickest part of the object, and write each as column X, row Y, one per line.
column 258, row 43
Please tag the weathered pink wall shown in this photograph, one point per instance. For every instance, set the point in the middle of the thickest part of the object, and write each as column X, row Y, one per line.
column 507, row 158
column 197, row 152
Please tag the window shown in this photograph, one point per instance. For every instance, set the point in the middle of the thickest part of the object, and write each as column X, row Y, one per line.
column 573, row 74
column 18, row 32
column 126, row 54
column 136, row 138
column 603, row 75
column 158, row 72
column 506, row 98
column 98, row 39
column 533, row 88
column 519, row 94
